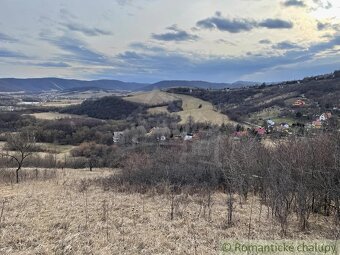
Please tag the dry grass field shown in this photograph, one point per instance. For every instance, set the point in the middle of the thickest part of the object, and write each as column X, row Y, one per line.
column 200, row 110
column 64, row 215
column 54, row 115
column 151, row 98
column 62, row 103
column 60, row 152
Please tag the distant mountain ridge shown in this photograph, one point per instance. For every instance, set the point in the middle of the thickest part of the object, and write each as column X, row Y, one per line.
column 57, row 84
column 36, row 85
column 196, row 84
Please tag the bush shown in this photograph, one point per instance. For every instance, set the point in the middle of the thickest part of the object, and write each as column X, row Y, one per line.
column 175, row 106
column 299, row 176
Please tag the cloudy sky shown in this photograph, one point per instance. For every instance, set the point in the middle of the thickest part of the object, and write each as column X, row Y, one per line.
column 152, row 40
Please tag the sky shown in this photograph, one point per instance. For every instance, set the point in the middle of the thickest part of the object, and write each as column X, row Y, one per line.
column 152, row 40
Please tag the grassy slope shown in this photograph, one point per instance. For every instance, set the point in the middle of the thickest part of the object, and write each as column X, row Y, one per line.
column 204, row 114
column 154, row 97
column 190, row 106
column 259, row 102
column 48, row 149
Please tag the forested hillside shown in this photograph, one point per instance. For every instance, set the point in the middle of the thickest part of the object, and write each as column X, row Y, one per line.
column 106, row 108
column 239, row 103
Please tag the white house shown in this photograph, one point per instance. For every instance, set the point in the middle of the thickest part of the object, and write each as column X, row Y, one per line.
column 117, row 136
column 285, row 125
column 270, row 122
column 325, row 116
column 188, row 137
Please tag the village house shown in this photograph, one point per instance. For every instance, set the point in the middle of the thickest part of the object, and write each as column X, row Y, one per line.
column 161, row 138
column 325, row 116
column 317, row 124
column 161, row 134
column 270, row 123
column 188, row 137
column 284, row 125
column 117, row 136
column 260, row 131
column 299, row 103
column 177, row 137
column 322, row 117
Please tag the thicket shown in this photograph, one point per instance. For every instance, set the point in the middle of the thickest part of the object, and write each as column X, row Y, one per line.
column 175, row 106
column 111, row 107
column 300, row 176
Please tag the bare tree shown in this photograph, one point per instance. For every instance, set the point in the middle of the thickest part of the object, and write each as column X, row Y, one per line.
column 92, row 162
column 19, row 147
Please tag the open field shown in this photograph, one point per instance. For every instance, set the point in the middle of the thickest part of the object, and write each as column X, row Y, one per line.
column 290, row 121
column 62, row 103
column 54, row 115
column 56, row 147
column 48, row 149
column 200, row 110
column 267, row 113
column 154, row 97
column 64, row 215
column 58, row 151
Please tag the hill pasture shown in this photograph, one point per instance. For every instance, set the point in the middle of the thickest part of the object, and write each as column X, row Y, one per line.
column 199, row 110
column 153, row 98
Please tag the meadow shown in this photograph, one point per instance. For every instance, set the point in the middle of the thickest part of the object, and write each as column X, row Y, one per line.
column 70, row 211
column 200, row 110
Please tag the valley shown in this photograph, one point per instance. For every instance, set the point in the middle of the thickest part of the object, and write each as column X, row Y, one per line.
column 146, row 127
column 86, row 170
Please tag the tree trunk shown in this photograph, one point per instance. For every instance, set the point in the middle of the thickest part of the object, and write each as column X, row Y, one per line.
column 17, row 174
column 230, row 209
column 337, row 208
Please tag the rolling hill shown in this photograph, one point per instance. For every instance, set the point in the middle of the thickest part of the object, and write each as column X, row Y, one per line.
column 152, row 98
column 199, row 110
column 195, row 84
column 277, row 101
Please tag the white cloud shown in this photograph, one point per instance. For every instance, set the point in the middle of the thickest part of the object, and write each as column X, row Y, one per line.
column 77, row 35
